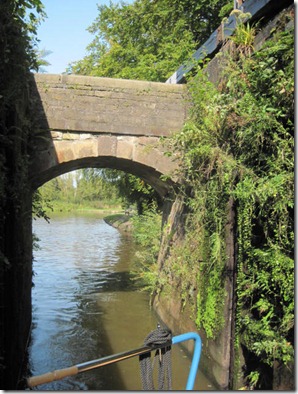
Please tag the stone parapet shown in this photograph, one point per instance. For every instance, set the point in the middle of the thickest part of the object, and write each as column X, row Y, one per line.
column 107, row 105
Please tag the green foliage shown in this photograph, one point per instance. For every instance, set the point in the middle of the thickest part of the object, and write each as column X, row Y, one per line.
column 210, row 172
column 131, row 189
column 226, row 9
column 83, row 188
column 92, row 185
column 134, row 190
column 147, row 234
column 244, row 34
column 41, row 61
column 18, row 30
column 38, row 206
column 18, row 27
column 239, row 146
column 147, row 39
column 97, row 188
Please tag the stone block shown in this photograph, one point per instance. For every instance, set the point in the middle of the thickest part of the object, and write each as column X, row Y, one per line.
column 64, row 151
column 125, row 148
column 106, row 145
column 84, row 148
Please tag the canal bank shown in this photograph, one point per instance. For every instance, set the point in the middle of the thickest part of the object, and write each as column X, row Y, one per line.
column 121, row 222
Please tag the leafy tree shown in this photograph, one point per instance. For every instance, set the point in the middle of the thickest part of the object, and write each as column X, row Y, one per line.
column 41, row 61
column 18, row 28
column 135, row 191
column 147, row 39
column 132, row 190
column 92, row 185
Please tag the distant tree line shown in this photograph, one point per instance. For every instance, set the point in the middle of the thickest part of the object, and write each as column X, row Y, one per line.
column 97, row 188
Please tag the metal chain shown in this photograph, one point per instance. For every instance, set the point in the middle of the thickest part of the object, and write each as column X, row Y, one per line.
column 162, row 357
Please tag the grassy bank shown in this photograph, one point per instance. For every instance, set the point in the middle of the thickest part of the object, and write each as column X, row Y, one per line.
column 59, row 207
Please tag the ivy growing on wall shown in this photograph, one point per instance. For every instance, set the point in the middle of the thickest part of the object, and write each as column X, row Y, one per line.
column 239, row 146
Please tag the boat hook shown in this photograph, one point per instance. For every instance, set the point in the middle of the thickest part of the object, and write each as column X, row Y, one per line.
column 87, row 366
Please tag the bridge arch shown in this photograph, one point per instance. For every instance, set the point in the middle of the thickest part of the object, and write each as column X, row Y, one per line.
column 138, row 157
column 104, row 123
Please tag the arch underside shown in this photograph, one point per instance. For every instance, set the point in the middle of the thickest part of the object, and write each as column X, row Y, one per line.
column 148, row 174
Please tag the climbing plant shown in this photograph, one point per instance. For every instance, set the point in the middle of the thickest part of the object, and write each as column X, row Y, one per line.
column 265, row 197
column 239, row 146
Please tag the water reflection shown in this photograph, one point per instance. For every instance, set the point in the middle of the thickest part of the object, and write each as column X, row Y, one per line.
column 86, row 306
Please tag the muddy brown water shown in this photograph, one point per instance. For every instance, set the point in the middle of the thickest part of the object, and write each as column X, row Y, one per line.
column 86, row 306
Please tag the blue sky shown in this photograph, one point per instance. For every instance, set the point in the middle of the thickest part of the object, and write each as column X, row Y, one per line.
column 64, row 31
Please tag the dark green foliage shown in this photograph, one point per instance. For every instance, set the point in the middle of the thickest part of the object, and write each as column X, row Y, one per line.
column 17, row 32
column 17, row 39
column 266, row 205
column 16, row 59
column 239, row 145
column 134, row 190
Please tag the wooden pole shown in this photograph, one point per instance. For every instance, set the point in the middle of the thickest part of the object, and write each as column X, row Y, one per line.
column 87, row 366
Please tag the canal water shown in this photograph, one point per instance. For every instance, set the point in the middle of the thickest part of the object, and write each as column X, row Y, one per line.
column 87, row 306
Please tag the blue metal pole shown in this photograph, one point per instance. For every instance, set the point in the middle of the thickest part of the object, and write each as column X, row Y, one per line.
column 195, row 358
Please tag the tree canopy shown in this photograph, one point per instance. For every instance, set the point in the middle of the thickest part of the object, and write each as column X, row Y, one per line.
column 147, row 39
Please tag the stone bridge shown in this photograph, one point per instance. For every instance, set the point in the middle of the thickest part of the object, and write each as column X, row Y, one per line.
column 102, row 122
